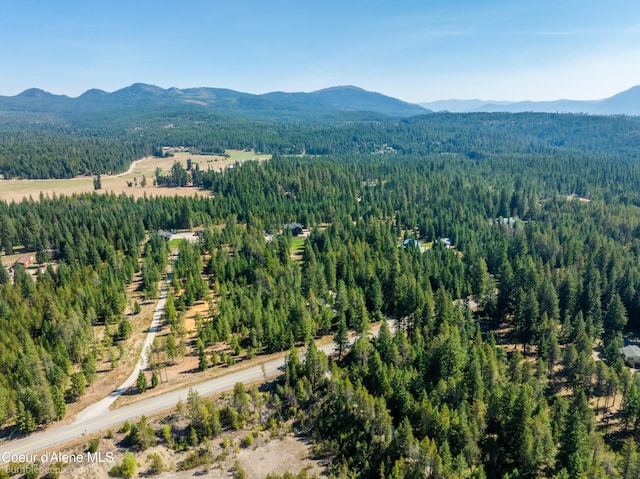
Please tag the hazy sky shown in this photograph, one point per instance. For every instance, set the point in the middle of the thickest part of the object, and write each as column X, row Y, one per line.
column 418, row 50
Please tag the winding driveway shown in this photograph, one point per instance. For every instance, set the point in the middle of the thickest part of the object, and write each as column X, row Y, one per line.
column 99, row 417
column 97, row 411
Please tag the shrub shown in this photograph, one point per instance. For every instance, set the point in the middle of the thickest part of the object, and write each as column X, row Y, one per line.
column 247, row 440
column 127, row 468
column 238, row 471
column 156, row 466
column 201, row 457
column 94, row 444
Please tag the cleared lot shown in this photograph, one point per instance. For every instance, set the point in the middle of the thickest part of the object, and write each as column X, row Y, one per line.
column 16, row 190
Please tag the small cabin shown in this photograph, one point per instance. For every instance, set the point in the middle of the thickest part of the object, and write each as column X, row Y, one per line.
column 166, row 235
column 410, row 243
column 295, row 228
column 25, row 260
column 631, row 355
column 446, row 242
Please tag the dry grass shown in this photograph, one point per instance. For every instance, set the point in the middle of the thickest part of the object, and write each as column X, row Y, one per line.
column 16, row 190
column 127, row 355
column 268, row 455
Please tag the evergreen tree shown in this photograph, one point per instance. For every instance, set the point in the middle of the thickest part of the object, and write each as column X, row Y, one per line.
column 614, row 321
column 141, row 382
column 4, row 275
column 630, row 461
column 340, row 337
column 574, row 452
column 89, row 368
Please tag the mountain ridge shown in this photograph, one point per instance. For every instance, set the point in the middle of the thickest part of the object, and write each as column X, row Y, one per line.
column 344, row 100
column 329, row 101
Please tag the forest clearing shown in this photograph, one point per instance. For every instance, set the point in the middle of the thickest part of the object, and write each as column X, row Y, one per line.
column 17, row 190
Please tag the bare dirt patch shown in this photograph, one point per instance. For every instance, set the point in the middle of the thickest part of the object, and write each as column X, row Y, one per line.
column 267, row 455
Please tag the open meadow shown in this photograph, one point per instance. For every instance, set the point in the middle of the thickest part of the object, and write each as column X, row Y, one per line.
column 16, row 190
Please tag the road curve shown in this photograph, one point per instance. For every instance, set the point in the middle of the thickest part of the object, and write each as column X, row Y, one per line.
column 100, row 409
column 47, row 439
column 57, row 436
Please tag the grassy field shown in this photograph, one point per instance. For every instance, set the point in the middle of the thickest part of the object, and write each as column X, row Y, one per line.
column 297, row 247
column 16, row 190
column 297, row 244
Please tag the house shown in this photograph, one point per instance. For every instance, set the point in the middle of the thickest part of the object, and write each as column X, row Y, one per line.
column 510, row 221
column 25, row 260
column 295, row 228
column 446, row 242
column 165, row 234
column 631, row 355
column 410, row 242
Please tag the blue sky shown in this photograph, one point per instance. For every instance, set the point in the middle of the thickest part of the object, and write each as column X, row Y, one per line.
column 414, row 50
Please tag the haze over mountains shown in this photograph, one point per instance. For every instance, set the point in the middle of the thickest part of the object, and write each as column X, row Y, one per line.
column 624, row 103
column 341, row 102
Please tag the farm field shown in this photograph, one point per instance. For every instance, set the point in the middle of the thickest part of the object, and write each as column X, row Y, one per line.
column 17, row 190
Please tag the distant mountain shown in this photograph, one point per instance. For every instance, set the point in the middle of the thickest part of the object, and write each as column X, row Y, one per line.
column 35, row 93
column 346, row 98
column 336, row 101
column 625, row 103
column 458, row 106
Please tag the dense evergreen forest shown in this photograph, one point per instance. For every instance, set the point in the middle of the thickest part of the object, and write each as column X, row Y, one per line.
column 52, row 145
column 543, row 215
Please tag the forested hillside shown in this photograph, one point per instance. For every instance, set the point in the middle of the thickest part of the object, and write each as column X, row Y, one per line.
column 543, row 216
column 56, row 145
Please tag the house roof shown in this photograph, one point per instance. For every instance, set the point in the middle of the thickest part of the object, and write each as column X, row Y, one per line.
column 26, row 259
column 631, row 351
column 292, row 226
column 411, row 242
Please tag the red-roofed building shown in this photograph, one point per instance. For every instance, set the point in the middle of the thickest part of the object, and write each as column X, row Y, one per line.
column 25, row 260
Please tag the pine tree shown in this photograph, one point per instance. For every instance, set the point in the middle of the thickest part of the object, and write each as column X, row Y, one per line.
column 4, row 275
column 171, row 347
column 341, row 336
column 614, row 321
column 141, row 382
column 24, row 418
column 203, row 362
column 629, row 461
column 478, row 275
column 241, row 400
column 89, row 368
column 78, row 385
column 526, row 317
column 59, row 404
column 444, row 312
column 574, row 442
